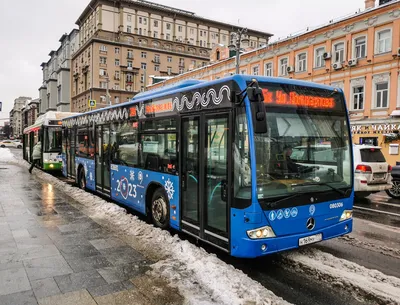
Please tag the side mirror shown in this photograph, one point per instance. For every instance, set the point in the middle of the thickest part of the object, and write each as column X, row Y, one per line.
column 259, row 117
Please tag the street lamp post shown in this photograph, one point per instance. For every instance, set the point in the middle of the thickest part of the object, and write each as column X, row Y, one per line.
column 108, row 100
column 236, row 47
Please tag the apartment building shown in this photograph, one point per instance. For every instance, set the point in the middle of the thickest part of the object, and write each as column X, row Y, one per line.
column 16, row 119
column 122, row 42
column 30, row 112
column 54, row 94
column 359, row 53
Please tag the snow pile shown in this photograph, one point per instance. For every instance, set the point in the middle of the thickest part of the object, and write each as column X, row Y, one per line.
column 356, row 279
column 202, row 278
column 6, row 155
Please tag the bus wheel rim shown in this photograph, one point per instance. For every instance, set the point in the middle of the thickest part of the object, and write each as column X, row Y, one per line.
column 159, row 210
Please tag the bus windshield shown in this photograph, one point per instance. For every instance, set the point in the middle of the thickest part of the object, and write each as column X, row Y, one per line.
column 52, row 139
column 306, row 148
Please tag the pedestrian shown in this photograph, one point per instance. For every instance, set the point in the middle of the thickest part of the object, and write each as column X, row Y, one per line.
column 36, row 155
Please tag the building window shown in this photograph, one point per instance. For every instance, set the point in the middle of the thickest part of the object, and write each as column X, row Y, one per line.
column 116, row 50
column 360, row 47
column 384, row 41
column 283, row 65
column 157, row 58
column 169, row 70
column 256, row 70
column 116, row 86
column 117, row 62
column 102, row 72
column 130, row 64
column 156, row 68
column 129, row 29
column 103, row 60
column 144, row 55
column 145, row 21
column 156, row 23
column 144, row 66
column 302, row 62
column 155, row 34
column 192, row 31
column 168, row 26
column 168, row 37
column 338, row 52
column 129, row 78
column 169, row 59
column 243, row 72
column 319, row 58
column 358, row 98
column 268, row 69
column 130, row 54
column 181, row 70
column 382, row 95
column 103, row 48
column 129, row 18
column 140, row 31
column 142, row 78
column 116, row 75
column 140, row 20
column 179, row 28
column 103, row 85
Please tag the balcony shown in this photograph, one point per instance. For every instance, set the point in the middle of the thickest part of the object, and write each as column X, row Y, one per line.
column 163, row 45
column 129, row 69
column 156, row 61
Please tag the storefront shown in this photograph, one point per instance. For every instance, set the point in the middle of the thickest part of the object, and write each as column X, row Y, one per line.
column 379, row 133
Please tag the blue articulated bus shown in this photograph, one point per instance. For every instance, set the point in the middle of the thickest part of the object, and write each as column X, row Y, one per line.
column 250, row 165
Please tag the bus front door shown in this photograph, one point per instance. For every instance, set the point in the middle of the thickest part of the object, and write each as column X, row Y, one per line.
column 206, row 155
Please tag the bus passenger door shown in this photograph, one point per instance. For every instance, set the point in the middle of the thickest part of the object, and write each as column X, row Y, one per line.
column 71, row 152
column 206, row 159
column 102, row 156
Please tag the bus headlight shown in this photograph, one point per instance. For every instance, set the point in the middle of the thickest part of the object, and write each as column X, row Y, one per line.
column 347, row 214
column 264, row 232
column 51, row 165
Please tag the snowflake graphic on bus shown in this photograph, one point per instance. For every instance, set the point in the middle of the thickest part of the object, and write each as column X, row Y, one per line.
column 169, row 188
column 129, row 187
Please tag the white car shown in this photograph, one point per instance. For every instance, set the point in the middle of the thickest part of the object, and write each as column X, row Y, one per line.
column 17, row 143
column 7, row 143
column 372, row 173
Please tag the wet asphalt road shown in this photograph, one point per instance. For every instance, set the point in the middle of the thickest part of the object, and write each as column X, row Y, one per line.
column 376, row 220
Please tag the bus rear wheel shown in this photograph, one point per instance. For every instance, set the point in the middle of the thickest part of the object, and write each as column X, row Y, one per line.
column 82, row 179
column 160, row 209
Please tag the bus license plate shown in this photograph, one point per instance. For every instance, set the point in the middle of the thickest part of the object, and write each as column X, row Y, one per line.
column 310, row 239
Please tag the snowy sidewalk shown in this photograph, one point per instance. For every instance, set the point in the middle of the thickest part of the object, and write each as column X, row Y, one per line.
column 60, row 245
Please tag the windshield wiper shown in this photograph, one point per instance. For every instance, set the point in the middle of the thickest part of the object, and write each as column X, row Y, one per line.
column 321, row 183
column 274, row 203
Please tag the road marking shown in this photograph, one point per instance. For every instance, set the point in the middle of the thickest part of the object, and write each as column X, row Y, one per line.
column 377, row 211
column 387, row 203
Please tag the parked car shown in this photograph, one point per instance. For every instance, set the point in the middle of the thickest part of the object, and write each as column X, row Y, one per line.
column 18, row 143
column 7, row 143
column 372, row 173
column 394, row 192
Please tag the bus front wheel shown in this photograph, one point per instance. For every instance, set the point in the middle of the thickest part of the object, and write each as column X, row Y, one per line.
column 160, row 209
column 82, row 179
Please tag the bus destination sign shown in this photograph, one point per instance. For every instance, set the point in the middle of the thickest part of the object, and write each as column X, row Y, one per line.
column 281, row 98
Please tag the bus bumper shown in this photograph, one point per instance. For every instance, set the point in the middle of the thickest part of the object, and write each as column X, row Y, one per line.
column 52, row 166
column 250, row 248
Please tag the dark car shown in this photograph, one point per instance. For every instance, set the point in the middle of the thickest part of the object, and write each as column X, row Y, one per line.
column 394, row 192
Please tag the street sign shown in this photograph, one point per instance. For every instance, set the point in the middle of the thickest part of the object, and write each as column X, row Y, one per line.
column 92, row 103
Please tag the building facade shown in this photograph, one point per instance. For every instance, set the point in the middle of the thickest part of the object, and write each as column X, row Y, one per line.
column 30, row 112
column 359, row 54
column 122, row 42
column 54, row 94
column 16, row 118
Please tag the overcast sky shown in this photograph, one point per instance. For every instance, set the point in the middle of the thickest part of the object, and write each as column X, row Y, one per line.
column 30, row 29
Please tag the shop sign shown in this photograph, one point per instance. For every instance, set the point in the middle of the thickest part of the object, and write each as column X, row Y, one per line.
column 375, row 128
